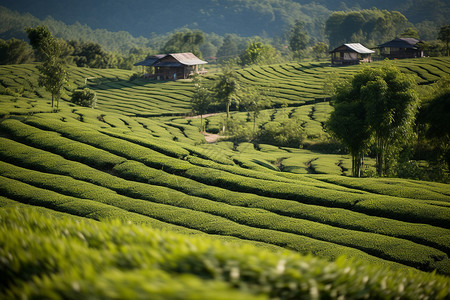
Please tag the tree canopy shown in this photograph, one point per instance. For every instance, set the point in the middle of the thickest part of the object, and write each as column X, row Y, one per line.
column 187, row 41
column 53, row 75
column 444, row 35
column 258, row 53
column 369, row 26
column 377, row 105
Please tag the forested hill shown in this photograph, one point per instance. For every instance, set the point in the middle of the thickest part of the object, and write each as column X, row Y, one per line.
column 243, row 17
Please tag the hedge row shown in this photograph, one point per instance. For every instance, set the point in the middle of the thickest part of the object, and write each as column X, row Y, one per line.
column 51, row 163
column 109, row 181
column 420, row 233
column 386, row 247
column 395, row 187
column 66, row 258
column 28, row 194
column 381, row 205
column 182, row 217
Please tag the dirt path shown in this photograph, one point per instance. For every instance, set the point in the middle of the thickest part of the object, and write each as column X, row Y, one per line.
column 211, row 137
column 204, row 116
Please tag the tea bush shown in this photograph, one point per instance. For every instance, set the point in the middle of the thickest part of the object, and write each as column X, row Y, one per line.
column 44, row 255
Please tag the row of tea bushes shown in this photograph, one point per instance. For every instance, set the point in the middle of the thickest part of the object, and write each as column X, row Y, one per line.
column 380, row 205
column 138, row 190
column 49, row 256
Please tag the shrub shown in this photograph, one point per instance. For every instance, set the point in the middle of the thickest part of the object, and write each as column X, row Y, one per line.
column 85, row 97
column 136, row 75
column 288, row 133
column 64, row 258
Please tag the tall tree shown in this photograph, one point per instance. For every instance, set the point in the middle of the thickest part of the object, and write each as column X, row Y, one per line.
column 227, row 89
column 320, row 50
column 391, row 104
column 185, row 41
column 444, row 35
column 229, row 48
column 298, row 38
column 380, row 104
column 53, row 75
column 258, row 53
column 201, row 99
column 253, row 102
column 435, row 115
column 372, row 26
column 14, row 51
column 348, row 123
column 410, row 33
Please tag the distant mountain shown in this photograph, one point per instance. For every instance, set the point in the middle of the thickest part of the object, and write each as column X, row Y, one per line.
column 142, row 17
column 243, row 17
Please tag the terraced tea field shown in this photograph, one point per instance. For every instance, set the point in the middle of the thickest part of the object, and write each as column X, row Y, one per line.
column 113, row 162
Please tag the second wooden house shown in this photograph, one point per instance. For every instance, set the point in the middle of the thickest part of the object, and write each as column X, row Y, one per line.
column 401, row 48
column 351, row 54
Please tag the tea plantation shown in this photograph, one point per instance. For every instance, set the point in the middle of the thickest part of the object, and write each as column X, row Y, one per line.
column 182, row 218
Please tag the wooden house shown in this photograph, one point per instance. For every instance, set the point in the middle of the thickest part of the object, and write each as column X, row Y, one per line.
column 401, row 48
column 350, row 54
column 173, row 66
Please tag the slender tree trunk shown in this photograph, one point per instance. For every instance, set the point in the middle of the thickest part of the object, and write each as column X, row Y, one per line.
column 356, row 164
column 380, row 156
column 228, row 116
column 53, row 97
column 201, row 123
column 353, row 165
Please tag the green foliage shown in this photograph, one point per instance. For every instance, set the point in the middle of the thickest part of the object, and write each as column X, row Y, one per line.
column 258, row 53
column 229, row 48
column 379, row 104
column 227, row 88
column 14, row 51
column 444, row 35
column 288, row 133
column 85, row 97
column 253, row 102
column 47, row 255
column 320, row 50
column 410, row 33
column 298, row 39
column 89, row 54
column 201, row 100
column 368, row 26
column 53, row 74
column 185, row 41
column 434, row 117
column 196, row 204
column 348, row 124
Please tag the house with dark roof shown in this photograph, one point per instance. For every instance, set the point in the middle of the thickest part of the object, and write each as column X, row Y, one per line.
column 401, row 48
column 351, row 54
column 173, row 66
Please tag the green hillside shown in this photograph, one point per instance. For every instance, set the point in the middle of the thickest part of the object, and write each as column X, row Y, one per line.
column 116, row 163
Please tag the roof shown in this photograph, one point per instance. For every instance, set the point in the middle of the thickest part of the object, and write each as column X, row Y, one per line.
column 355, row 47
column 187, row 59
column 149, row 61
column 401, row 43
column 167, row 64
